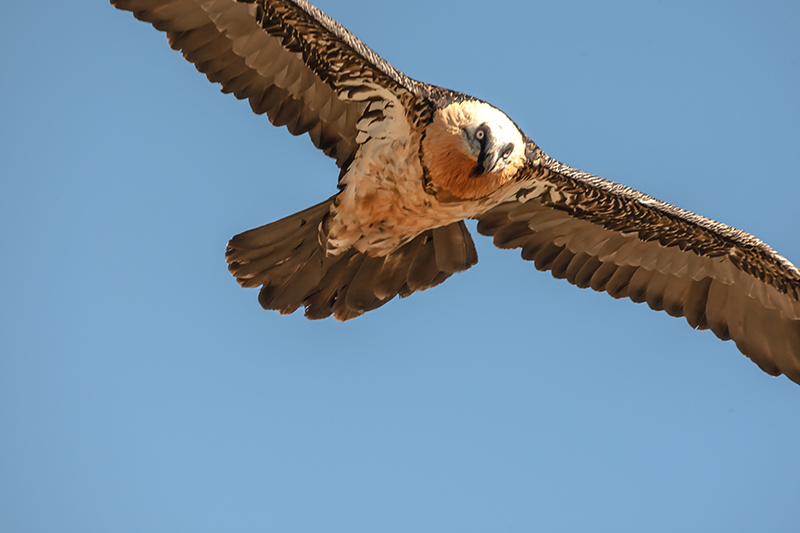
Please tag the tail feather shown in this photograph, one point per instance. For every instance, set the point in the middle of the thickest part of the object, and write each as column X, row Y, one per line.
column 285, row 228
column 290, row 294
column 394, row 271
column 319, row 304
column 423, row 269
column 342, row 287
column 286, row 259
column 361, row 292
column 454, row 248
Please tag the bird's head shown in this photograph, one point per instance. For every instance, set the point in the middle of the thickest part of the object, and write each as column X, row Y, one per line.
column 471, row 149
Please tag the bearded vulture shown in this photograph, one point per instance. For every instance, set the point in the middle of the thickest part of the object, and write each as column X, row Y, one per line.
column 415, row 160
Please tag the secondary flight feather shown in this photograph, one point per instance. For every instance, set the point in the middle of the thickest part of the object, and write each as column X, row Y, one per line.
column 415, row 160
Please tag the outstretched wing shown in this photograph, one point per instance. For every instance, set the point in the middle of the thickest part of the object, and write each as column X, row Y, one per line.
column 603, row 235
column 290, row 60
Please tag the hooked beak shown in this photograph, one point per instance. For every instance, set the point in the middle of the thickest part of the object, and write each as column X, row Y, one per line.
column 490, row 155
column 487, row 160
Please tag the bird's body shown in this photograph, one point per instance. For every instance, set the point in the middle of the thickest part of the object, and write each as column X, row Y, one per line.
column 415, row 160
column 396, row 188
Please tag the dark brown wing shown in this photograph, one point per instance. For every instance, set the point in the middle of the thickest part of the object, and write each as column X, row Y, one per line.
column 603, row 235
column 290, row 60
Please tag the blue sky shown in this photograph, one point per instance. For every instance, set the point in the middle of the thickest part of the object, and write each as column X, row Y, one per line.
column 142, row 390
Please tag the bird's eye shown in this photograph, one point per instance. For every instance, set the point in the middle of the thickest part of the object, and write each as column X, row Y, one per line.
column 480, row 134
column 507, row 152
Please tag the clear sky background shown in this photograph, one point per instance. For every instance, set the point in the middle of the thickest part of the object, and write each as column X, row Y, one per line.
column 142, row 390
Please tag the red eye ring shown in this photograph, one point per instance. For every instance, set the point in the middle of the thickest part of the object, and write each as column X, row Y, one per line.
column 480, row 134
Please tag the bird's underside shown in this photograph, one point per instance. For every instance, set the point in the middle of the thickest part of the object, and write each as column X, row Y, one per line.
column 415, row 160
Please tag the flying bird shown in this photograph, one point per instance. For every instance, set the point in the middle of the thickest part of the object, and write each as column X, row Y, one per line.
column 415, row 160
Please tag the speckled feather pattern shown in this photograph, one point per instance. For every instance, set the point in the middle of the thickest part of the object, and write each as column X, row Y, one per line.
column 618, row 207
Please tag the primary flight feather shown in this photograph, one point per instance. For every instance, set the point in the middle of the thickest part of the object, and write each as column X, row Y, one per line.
column 415, row 160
